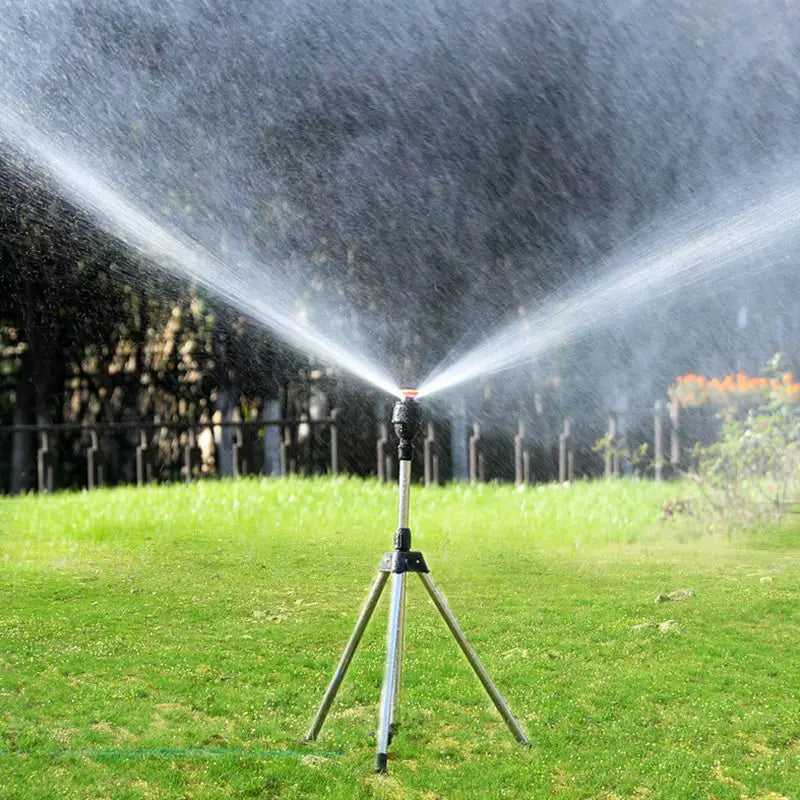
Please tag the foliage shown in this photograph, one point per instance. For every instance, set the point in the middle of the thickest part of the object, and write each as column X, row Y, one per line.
column 11, row 350
column 87, row 336
column 754, row 468
column 615, row 451
column 175, row 641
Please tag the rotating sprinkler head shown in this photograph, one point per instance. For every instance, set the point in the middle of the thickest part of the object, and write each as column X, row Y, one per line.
column 405, row 419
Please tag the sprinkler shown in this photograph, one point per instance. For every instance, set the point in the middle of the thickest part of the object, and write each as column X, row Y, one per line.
column 398, row 563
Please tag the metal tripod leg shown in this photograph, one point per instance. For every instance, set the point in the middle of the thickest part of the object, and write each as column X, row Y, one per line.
column 347, row 655
column 391, row 672
column 398, row 674
column 472, row 657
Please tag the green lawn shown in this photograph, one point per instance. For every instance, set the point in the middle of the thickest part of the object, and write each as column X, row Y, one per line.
column 174, row 642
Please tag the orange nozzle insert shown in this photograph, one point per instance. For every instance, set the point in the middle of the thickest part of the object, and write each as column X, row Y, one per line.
column 409, row 392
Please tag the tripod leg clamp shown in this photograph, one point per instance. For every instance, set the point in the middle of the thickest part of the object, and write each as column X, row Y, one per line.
column 402, row 539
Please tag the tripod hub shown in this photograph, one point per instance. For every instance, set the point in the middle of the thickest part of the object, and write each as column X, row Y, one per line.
column 403, row 561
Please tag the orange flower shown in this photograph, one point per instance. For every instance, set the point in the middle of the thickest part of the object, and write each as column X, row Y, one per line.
column 697, row 390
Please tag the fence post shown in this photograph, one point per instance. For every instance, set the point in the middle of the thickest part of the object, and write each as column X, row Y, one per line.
column 45, row 464
column 431, row 457
column 273, row 459
column 520, row 476
column 225, row 455
column 238, row 462
column 566, row 458
column 94, row 462
column 287, row 463
column 477, row 469
column 334, row 442
column 383, row 461
column 658, row 440
column 389, row 465
column 674, row 433
column 458, row 440
column 611, row 466
column 186, row 469
column 191, row 454
column 144, row 470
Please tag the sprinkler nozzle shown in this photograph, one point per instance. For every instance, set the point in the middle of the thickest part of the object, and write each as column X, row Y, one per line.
column 409, row 392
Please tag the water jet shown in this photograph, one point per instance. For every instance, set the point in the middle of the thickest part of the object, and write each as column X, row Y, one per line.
column 678, row 255
column 180, row 255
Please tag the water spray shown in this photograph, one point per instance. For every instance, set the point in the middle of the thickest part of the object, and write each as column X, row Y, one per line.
column 689, row 250
column 406, row 418
column 173, row 251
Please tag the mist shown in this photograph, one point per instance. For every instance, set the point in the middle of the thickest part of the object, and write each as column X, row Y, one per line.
column 411, row 180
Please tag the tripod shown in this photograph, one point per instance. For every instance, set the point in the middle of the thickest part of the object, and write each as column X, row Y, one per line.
column 398, row 563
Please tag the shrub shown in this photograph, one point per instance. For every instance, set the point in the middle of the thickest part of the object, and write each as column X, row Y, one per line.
column 753, row 469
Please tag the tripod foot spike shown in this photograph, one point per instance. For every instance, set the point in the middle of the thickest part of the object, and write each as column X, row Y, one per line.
column 382, row 763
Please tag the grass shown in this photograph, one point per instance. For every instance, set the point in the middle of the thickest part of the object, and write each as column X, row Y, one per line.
column 173, row 642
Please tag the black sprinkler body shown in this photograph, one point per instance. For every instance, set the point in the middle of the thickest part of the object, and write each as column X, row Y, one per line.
column 406, row 419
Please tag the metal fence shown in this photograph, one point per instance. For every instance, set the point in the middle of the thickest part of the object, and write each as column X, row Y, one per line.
column 98, row 454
